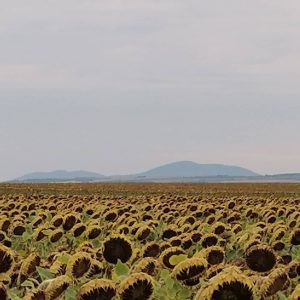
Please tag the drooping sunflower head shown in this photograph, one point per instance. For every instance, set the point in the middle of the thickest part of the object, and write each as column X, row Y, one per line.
column 6, row 260
column 260, row 258
column 143, row 232
column 117, row 247
column 146, row 265
column 190, row 270
column 231, row 284
column 209, row 240
column 35, row 294
column 28, row 267
column 296, row 293
column 93, row 232
column 78, row 229
column 295, row 237
column 57, row 286
column 214, row 255
column 79, row 265
column 97, row 289
column 168, row 253
column 151, row 249
column 276, row 281
column 138, row 286
column 56, row 235
column 3, row 292
column 69, row 221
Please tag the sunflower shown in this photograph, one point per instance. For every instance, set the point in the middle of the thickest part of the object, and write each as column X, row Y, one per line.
column 93, row 232
column 295, row 237
column 28, row 267
column 3, row 292
column 96, row 268
column 146, row 265
column 209, row 240
column 79, row 265
column 151, row 249
column 189, row 271
column 35, row 294
column 231, row 283
column 97, row 289
column 117, row 247
column 56, row 235
column 55, row 287
column 138, row 286
column 296, row 293
column 78, row 229
column 143, row 232
column 276, row 281
column 6, row 260
column 214, row 255
column 293, row 269
column 69, row 221
column 260, row 258
column 168, row 253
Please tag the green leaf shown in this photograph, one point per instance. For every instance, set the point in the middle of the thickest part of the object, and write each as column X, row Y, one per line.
column 28, row 283
column 45, row 274
column 121, row 269
column 164, row 274
column 169, row 283
column 184, row 293
column 176, row 259
column 70, row 294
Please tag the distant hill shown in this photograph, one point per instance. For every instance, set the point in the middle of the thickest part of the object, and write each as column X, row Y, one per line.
column 60, row 175
column 192, row 169
column 182, row 171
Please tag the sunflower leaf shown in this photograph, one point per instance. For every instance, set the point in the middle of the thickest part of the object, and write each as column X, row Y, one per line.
column 176, row 259
column 45, row 274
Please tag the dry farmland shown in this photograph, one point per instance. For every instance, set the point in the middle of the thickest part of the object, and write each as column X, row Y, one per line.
column 150, row 241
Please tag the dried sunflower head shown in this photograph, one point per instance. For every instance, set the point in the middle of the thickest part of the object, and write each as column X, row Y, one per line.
column 276, row 281
column 231, row 283
column 168, row 253
column 190, row 270
column 117, row 247
column 260, row 258
column 97, row 289
column 6, row 260
column 79, row 265
column 138, row 286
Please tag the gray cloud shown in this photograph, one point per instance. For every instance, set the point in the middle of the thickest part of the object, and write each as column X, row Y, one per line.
column 120, row 86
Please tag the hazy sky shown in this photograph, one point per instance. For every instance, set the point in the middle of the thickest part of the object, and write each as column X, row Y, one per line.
column 122, row 86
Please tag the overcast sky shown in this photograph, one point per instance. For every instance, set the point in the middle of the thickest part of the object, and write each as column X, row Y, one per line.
column 122, row 86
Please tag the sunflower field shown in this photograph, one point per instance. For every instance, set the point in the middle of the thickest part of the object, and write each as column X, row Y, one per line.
column 165, row 243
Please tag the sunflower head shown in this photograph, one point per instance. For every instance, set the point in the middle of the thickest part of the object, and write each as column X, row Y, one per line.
column 151, row 249
column 214, row 255
column 260, row 258
column 6, row 260
column 190, row 270
column 209, row 240
column 57, row 286
column 276, row 281
column 117, row 247
column 97, row 289
column 168, row 253
column 231, row 283
column 146, row 265
column 79, row 265
column 138, row 286
column 3, row 292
